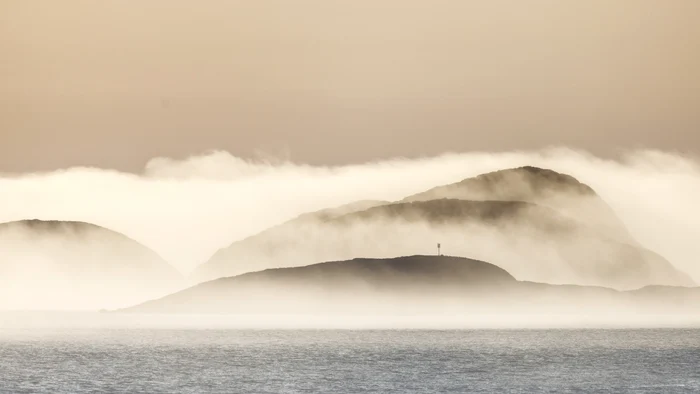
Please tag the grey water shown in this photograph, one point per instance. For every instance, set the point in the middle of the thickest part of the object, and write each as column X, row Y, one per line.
column 349, row 361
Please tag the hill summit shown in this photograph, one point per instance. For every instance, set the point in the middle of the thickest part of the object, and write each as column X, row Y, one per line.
column 337, row 283
column 77, row 265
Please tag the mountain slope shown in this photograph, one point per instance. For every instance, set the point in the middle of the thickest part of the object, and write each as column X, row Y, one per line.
column 76, row 265
column 332, row 213
column 531, row 241
column 544, row 187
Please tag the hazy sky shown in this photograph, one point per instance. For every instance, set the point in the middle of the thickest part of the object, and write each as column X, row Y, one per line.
column 113, row 83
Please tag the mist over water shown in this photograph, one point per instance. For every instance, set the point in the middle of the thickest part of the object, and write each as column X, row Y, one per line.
column 410, row 324
column 486, row 260
column 186, row 210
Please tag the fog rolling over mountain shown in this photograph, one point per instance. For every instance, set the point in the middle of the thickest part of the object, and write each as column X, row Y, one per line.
column 412, row 285
column 537, row 224
column 62, row 265
column 540, row 186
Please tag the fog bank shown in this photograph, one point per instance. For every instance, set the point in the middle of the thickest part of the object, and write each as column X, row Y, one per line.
column 187, row 209
column 44, row 325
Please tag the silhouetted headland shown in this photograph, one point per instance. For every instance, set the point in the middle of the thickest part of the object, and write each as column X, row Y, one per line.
column 405, row 285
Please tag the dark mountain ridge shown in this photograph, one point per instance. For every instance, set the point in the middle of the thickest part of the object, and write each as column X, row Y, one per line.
column 541, row 186
column 526, row 183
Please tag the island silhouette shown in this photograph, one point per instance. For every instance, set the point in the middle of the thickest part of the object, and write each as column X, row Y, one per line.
column 421, row 285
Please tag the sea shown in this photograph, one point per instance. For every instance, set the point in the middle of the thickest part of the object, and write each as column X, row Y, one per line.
column 97, row 359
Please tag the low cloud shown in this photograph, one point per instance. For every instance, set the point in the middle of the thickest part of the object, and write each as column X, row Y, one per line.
column 187, row 209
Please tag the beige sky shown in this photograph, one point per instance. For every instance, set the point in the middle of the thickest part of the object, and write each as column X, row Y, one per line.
column 113, row 83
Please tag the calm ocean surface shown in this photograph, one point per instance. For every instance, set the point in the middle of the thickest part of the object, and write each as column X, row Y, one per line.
column 347, row 361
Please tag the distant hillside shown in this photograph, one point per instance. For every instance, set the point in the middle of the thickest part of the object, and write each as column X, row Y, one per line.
column 409, row 285
column 76, row 265
column 531, row 241
column 455, row 211
column 544, row 187
column 332, row 213
column 515, row 184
